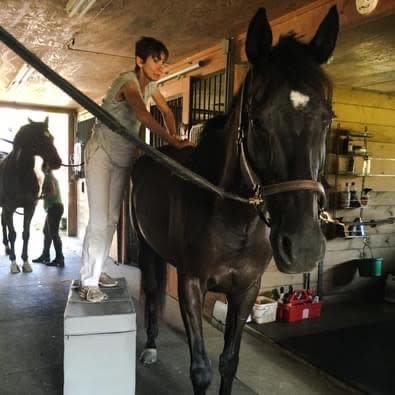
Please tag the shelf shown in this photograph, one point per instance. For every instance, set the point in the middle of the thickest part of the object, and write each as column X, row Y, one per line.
column 349, row 174
column 348, row 133
column 352, row 154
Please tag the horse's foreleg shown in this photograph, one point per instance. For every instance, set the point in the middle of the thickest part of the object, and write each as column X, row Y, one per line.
column 8, row 221
column 153, row 283
column 5, row 234
column 27, row 218
column 190, row 299
column 239, row 307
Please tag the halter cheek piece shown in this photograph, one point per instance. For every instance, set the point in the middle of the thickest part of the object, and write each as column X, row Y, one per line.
column 252, row 180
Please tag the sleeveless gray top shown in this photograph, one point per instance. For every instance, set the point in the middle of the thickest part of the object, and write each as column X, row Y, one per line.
column 120, row 150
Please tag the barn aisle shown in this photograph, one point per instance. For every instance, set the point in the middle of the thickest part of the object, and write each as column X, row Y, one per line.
column 31, row 340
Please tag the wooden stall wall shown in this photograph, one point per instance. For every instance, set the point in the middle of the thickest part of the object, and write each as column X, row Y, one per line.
column 357, row 111
column 364, row 112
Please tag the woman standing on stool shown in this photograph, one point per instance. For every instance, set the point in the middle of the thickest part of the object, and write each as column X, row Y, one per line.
column 109, row 157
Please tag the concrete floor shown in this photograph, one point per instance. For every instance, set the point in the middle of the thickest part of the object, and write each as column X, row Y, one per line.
column 31, row 340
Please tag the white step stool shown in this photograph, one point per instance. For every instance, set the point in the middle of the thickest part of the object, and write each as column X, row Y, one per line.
column 100, row 344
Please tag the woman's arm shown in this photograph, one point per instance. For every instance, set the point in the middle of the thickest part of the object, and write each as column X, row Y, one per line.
column 166, row 111
column 132, row 95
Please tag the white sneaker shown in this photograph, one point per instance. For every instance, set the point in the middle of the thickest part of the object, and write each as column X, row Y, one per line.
column 92, row 294
column 107, row 281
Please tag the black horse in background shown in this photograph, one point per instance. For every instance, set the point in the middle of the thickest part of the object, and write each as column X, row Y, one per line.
column 270, row 146
column 19, row 187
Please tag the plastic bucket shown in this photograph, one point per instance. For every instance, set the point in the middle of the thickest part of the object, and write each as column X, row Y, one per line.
column 370, row 267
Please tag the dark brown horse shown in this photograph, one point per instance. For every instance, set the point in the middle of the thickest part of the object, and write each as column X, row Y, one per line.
column 269, row 146
column 19, row 187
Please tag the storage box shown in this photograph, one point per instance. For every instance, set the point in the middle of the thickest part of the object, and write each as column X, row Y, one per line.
column 298, row 306
column 264, row 310
column 100, row 344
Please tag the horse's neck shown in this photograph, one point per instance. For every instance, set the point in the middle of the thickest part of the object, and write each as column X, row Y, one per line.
column 231, row 179
column 23, row 162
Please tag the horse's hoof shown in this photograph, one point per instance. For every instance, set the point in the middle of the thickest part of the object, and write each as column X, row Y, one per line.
column 149, row 356
column 27, row 267
column 14, row 268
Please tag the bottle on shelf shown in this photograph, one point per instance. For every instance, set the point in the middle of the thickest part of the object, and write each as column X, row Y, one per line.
column 354, row 202
column 349, row 146
column 351, row 164
column 345, row 196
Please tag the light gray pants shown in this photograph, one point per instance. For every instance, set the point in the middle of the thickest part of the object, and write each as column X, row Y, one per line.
column 105, row 186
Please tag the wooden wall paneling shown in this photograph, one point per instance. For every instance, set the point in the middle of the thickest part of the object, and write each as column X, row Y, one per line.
column 240, row 72
column 382, row 133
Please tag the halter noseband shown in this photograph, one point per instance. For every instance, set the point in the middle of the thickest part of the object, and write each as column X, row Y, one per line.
column 253, row 181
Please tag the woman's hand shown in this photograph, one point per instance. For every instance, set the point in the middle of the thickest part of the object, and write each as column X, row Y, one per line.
column 179, row 143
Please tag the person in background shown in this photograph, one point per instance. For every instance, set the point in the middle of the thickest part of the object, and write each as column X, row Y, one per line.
column 54, row 207
column 109, row 157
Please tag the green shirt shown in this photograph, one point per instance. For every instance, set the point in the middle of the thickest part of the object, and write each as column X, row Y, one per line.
column 51, row 191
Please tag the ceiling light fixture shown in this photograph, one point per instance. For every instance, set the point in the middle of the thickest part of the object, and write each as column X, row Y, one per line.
column 21, row 76
column 78, row 8
column 366, row 7
column 185, row 70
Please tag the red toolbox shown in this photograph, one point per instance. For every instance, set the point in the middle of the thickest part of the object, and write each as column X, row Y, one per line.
column 299, row 305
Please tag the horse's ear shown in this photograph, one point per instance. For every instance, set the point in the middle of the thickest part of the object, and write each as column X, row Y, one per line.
column 324, row 41
column 30, row 121
column 46, row 122
column 259, row 38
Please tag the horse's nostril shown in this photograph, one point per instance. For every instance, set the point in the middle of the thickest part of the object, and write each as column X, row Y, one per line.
column 287, row 247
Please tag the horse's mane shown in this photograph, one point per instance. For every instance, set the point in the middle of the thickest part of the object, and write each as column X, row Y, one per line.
column 292, row 63
column 25, row 134
column 289, row 63
column 207, row 158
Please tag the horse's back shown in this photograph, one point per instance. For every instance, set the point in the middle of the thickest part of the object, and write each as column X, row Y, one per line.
column 154, row 198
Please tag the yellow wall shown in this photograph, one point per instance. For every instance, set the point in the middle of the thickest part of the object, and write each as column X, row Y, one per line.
column 357, row 111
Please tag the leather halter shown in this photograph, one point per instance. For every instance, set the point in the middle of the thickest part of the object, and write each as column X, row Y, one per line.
column 254, row 182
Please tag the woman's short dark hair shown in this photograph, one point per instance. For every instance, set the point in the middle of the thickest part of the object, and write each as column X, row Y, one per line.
column 149, row 46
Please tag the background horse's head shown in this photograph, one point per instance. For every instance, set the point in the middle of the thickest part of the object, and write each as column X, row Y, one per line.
column 35, row 139
column 287, row 108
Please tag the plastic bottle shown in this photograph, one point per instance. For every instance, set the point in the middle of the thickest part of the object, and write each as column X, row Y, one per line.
column 281, row 298
column 349, row 146
column 351, row 164
column 345, row 196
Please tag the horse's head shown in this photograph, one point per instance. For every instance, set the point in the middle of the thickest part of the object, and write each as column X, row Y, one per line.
column 36, row 139
column 287, row 113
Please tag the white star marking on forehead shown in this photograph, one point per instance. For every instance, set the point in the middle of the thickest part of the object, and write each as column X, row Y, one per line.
column 298, row 99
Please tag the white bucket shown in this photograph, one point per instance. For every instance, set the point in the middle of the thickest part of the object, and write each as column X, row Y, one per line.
column 264, row 310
